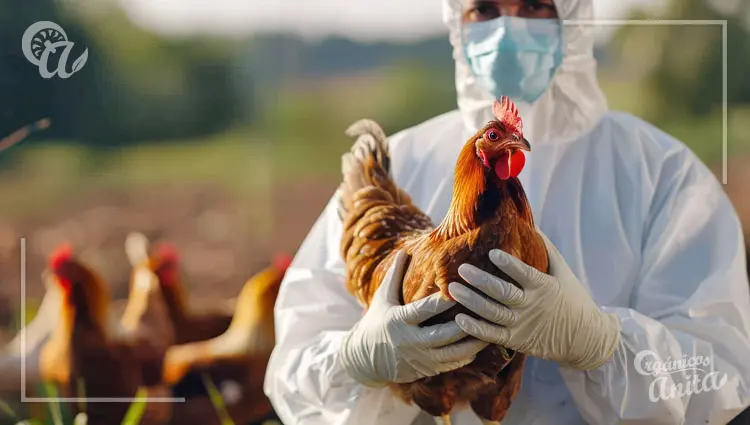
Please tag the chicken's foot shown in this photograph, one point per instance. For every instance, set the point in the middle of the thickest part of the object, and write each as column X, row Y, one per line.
column 486, row 422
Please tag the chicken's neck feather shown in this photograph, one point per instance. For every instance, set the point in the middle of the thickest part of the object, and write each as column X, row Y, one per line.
column 176, row 300
column 91, row 300
column 478, row 196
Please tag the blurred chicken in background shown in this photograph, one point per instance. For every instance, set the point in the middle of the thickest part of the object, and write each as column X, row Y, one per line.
column 236, row 360
column 164, row 262
column 111, row 357
column 72, row 327
column 81, row 339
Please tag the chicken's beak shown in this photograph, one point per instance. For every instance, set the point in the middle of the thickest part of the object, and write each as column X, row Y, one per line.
column 526, row 144
column 521, row 144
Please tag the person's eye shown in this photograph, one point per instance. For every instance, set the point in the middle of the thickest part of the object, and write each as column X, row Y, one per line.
column 482, row 12
column 538, row 9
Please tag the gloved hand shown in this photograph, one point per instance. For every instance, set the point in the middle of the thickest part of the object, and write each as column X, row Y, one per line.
column 388, row 346
column 552, row 316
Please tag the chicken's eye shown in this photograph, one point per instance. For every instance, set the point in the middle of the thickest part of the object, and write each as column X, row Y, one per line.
column 492, row 135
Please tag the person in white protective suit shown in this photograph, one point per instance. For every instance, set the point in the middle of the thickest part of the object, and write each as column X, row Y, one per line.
column 646, row 252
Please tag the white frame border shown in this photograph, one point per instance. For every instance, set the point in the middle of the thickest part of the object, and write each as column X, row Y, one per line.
column 591, row 22
column 682, row 22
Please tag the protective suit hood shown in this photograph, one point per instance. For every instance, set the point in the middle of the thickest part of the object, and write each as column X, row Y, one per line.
column 572, row 105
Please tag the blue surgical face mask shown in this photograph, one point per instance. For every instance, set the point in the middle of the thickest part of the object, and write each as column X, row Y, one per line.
column 514, row 57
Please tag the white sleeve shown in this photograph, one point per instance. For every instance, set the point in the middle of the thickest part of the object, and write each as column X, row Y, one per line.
column 304, row 379
column 692, row 300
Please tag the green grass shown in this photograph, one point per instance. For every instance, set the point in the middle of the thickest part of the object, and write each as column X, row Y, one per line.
column 217, row 400
column 7, row 410
column 45, row 175
column 136, row 410
column 219, row 159
column 55, row 408
column 59, row 414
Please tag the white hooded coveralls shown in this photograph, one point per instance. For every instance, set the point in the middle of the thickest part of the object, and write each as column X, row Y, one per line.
column 639, row 220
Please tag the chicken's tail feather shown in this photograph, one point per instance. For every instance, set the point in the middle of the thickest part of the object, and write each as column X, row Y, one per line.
column 373, row 138
column 137, row 248
column 367, row 164
column 376, row 215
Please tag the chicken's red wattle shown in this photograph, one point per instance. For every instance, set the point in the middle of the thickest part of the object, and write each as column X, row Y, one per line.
column 510, row 165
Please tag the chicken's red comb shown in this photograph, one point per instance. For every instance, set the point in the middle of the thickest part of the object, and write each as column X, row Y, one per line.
column 167, row 269
column 61, row 255
column 282, row 261
column 506, row 112
column 167, row 253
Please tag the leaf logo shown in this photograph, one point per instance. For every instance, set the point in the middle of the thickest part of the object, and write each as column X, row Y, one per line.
column 81, row 61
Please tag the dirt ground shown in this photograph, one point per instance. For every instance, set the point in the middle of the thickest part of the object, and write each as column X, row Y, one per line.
column 222, row 238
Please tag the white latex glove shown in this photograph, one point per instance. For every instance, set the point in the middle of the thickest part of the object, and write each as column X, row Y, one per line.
column 388, row 346
column 552, row 316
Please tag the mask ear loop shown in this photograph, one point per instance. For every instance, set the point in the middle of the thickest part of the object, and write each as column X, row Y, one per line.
column 462, row 37
column 560, row 53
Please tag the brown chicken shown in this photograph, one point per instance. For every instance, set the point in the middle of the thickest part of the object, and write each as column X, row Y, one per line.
column 489, row 210
column 189, row 325
column 111, row 358
column 237, row 358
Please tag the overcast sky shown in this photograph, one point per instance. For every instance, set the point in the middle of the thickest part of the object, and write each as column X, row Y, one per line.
column 360, row 19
